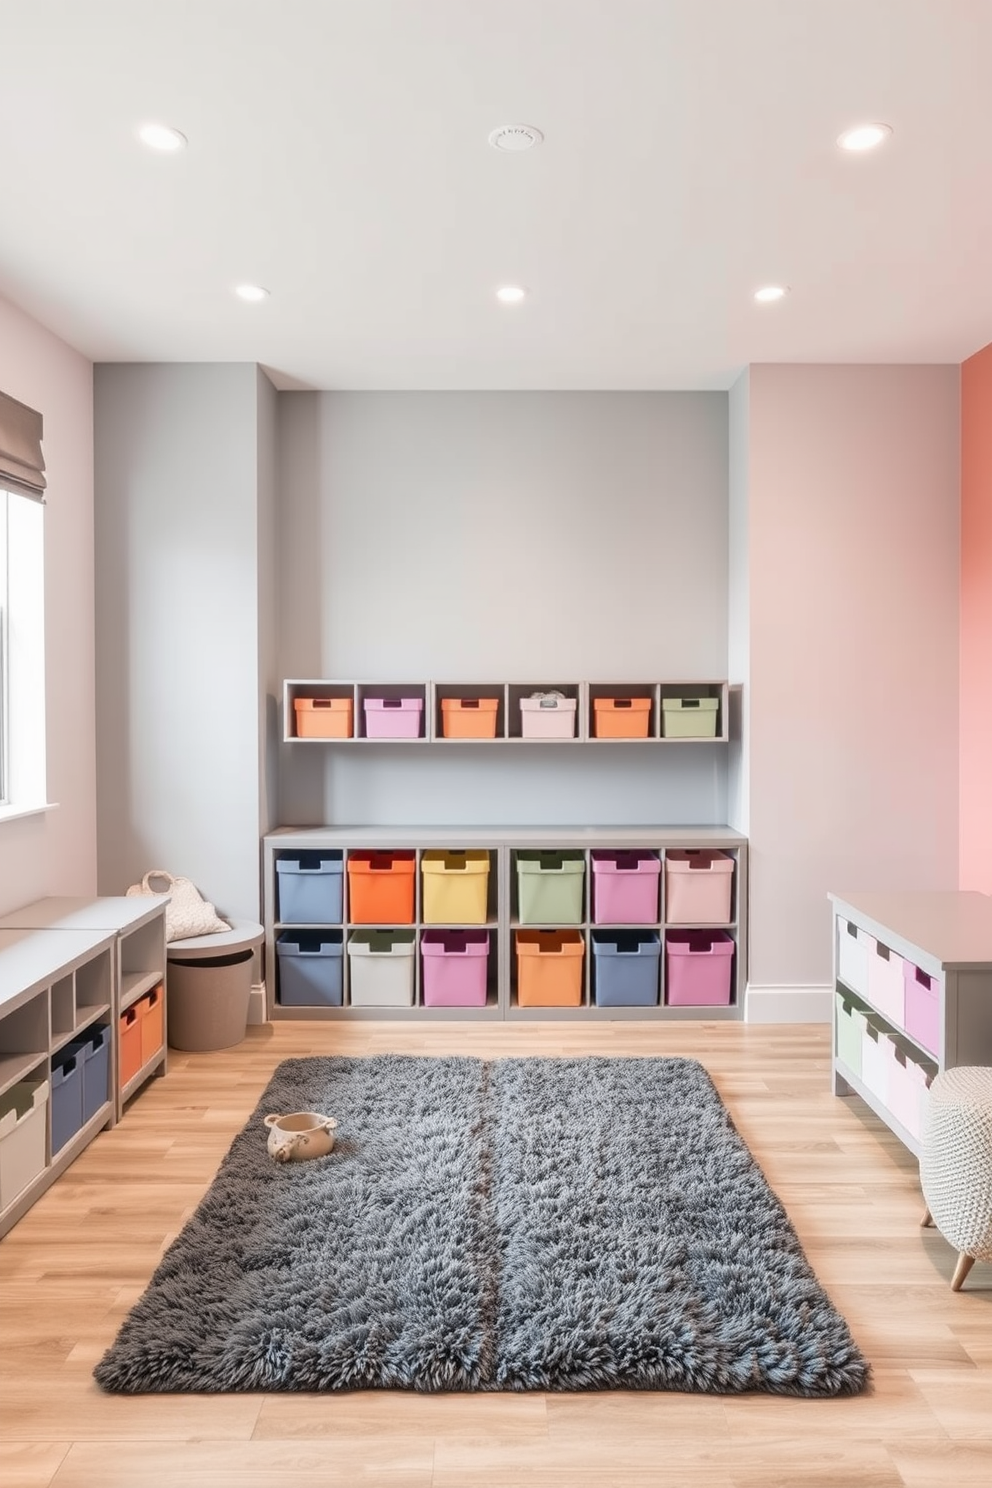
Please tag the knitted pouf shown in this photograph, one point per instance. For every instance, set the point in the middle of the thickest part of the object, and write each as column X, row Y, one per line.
column 956, row 1164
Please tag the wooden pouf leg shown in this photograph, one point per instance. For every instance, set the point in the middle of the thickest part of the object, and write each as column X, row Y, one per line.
column 964, row 1265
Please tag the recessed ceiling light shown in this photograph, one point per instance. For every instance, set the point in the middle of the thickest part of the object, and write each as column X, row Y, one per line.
column 515, row 137
column 511, row 294
column 251, row 292
column 863, row 137
column 768, row 293
column 161, row 137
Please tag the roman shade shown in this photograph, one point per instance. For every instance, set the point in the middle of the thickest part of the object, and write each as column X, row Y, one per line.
column 22, row 465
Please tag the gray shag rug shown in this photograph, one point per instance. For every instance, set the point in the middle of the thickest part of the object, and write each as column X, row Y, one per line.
column 520, row 1224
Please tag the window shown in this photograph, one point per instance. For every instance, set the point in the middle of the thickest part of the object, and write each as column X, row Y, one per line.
column 22, row 654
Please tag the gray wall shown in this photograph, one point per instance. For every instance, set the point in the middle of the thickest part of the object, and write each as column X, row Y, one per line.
column 517, row 536
column 177, row 626
column 739, row 607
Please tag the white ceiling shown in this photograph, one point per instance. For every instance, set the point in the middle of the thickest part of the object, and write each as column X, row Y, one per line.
column 338, row 156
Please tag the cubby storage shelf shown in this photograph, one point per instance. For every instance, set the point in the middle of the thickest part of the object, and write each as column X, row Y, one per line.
column 503, row 914
column 65, row 965
column 882, row 945
column 347, row 725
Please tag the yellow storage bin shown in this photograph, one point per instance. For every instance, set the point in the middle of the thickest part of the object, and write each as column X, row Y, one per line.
column 456, row 887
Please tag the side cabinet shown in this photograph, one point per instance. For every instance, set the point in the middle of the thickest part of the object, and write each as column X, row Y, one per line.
column 913, row 996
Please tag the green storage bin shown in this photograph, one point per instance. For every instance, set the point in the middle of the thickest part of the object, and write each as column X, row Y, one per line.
column 851, row 1023
column 689, row 718
column 550, row 888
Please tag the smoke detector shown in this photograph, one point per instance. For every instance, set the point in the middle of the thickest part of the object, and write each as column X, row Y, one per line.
column 515, row 137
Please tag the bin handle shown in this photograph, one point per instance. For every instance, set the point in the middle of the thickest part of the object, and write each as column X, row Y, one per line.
column 470, row 702
column 391, row 702
column 623, row 702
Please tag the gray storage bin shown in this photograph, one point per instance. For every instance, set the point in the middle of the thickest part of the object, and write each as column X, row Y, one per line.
column 67, row 1098
column 310, row 968
column 310, row 888
column 626, row 967
column 209, row 998
column 94, row 1056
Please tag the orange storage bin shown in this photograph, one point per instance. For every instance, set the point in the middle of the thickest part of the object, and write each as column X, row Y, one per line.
column 549, row 968
column 151, row 1016
column 323, row 718
column 380, row 888
column 129, row 1050
column 621, row 717
column 469, row 718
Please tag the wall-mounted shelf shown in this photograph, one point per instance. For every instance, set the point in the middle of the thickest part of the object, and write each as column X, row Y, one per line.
column 351, row 720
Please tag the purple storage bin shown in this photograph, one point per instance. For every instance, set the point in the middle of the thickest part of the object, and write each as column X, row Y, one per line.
column 625, row 887
column 456, row 964
column 699, row 966
column 922, row 1008
column 393, row 718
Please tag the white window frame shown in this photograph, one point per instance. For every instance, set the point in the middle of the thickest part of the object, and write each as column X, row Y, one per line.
column 23, row 775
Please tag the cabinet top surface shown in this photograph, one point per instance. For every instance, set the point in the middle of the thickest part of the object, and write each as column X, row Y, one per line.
column 113, row 913
column 29, row 958
column 953, row 927
column 494, row 836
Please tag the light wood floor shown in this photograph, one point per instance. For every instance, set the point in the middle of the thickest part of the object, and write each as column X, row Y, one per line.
column 72, row 1268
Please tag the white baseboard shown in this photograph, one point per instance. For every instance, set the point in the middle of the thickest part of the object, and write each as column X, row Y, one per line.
column 788, row 1005
column 256, row 1007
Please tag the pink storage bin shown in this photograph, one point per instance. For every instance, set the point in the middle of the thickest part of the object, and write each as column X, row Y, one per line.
column 699, row 966
column 922, row 997
column 625, row 887
column 909, row 1084
column 886, row 988
column 547, row 718
column 698, row 886
column 456, row 963
column 393, row 718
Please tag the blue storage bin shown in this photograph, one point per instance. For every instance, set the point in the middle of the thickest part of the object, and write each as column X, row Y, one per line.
column 67, row 1097
column 310, row 888
column 310, row 968
column 626, row 967
column 94, row 1054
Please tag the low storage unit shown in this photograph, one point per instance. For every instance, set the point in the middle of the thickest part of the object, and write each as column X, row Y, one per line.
column 550, row 887
column 698, row 887
column 921, row 964
column 500, row 882
column 380, row 968
column 310, row 888
column 621, row 717
column 549, row 967
column 67, row 1098
column 689, row 717
column 93, row 1052
column 547, row 716
column 469, row 718
column 23, row 1109
column 455, row 887
column 310, row 968
column 381, row 887
column 626, row 967
column 698, row 968
column 324, row 717
column 456, row 967
column 625, row 887
column 393, row 718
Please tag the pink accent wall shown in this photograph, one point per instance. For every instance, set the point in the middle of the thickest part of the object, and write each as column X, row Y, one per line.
column 854, row 557
column 976, row 621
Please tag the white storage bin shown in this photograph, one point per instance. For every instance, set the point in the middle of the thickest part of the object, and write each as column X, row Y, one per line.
column 852, row 956
column 22, row 1137
column 380, row 968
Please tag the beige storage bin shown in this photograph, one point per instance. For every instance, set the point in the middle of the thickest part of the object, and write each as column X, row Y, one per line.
column 22, row 1137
